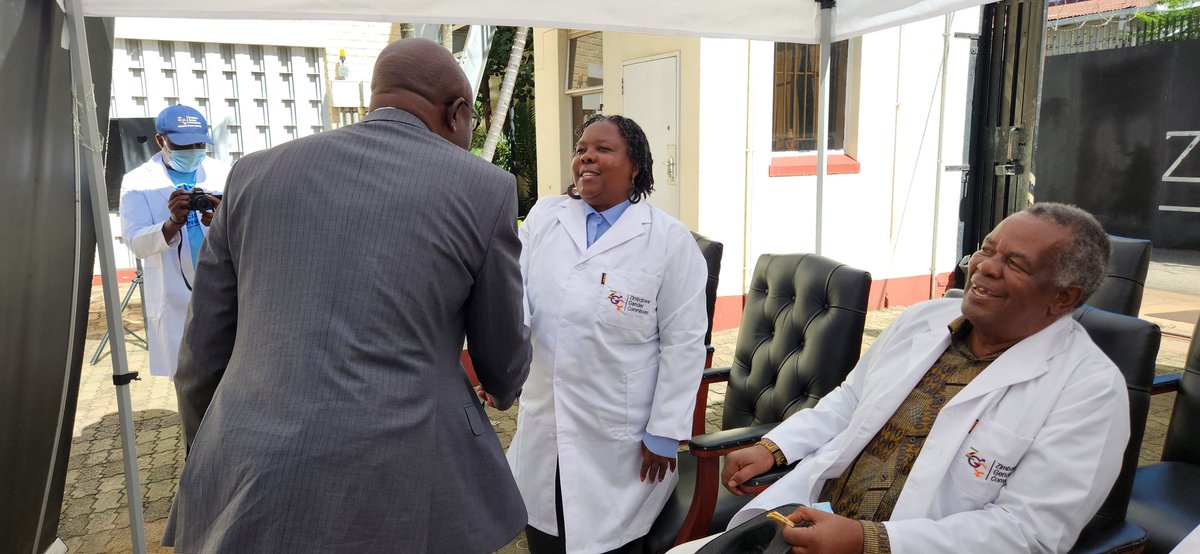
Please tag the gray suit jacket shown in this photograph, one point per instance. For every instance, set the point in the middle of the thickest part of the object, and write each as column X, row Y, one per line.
column 322, row 350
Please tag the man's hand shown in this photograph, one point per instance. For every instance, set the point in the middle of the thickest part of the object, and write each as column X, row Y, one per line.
column 177, row 203
column 828, row 534
column 655, row 466
column 743, row 464
column 206, row 217
column 488, row 399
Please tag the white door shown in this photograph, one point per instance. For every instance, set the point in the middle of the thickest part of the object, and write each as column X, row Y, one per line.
column 650, row 95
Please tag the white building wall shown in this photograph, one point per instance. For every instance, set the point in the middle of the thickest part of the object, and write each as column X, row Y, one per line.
column 880, row 219
column 725, row 65
column 258, row 82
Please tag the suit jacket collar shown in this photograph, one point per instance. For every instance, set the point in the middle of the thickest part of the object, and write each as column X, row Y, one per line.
column 395, row 114
column 634, row 222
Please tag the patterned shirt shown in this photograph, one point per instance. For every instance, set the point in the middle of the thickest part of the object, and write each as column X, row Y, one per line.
column 869, row 487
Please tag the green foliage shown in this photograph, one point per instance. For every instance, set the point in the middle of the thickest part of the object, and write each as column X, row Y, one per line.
column 522, row 140
column 497, row 62
column 1177, row 13
column 516, row 152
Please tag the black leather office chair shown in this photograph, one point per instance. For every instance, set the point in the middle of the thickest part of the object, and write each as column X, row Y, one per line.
column 1132, row 344
column 712, row 252
column 1166, row 495
column 801, row 333
column 1123, row 285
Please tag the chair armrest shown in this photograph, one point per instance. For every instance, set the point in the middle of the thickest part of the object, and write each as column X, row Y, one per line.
column 716, row 375
column 760, row 483
column 1165, row 383
column 720, row 443
column 710, row 376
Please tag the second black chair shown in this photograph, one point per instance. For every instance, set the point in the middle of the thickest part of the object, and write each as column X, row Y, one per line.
column 801, row 333
column 1132, row 344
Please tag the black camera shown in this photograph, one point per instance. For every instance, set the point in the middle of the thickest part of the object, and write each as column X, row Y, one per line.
column 198, row 200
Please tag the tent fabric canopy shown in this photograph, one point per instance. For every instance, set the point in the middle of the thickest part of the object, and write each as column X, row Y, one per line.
column 772, row 20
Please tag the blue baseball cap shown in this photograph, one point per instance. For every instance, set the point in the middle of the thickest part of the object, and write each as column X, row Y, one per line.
column 183, row 125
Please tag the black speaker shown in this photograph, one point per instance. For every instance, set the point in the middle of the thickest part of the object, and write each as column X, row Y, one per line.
column 130, row 144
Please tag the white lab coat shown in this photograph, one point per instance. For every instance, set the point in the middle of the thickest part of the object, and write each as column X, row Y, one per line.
column 144, row 194
column 1049, row 418
column 601, row 377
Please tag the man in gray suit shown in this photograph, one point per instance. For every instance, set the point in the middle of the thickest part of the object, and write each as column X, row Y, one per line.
column 321, row 351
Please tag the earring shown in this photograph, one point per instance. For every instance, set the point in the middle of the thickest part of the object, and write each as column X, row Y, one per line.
column 573, row 191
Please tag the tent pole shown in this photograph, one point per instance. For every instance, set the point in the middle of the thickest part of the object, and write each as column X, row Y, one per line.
column 823, row 114
column 88, row 136
column 937, row 182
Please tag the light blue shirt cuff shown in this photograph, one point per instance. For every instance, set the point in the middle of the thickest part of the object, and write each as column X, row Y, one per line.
column 662, row 446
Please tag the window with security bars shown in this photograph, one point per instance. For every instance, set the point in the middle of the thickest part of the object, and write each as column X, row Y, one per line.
column 797, row 68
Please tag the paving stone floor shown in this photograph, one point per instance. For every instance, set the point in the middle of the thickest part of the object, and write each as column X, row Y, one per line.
column 94, row 511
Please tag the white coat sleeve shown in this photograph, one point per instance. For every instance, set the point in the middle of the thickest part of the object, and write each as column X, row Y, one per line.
column 1060, row 482
column 142, row 223
column 525, row 235
column 807, row 430
column 682, row 322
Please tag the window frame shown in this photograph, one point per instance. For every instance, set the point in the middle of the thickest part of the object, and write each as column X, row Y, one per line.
column 568, row 89
column 840, row 118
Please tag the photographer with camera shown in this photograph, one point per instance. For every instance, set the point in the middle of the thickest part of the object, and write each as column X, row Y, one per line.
column 167, row 205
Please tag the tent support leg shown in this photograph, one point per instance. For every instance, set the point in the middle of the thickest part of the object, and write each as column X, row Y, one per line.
column 88, row 135
column 823, row 116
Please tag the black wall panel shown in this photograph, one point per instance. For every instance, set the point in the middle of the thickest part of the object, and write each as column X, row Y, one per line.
column 1103, row 145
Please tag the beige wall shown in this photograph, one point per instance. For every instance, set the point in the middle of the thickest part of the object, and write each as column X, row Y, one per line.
column 552, row 111
column 554, row 115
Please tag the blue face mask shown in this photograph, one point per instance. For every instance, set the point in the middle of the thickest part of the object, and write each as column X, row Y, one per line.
column 186, row 161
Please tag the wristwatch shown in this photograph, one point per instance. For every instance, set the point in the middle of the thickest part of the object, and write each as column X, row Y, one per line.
column 780, row 459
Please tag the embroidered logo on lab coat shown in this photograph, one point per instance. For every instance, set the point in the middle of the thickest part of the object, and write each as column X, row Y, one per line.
column 978, row 464
column 994, row 472
column 617, row 299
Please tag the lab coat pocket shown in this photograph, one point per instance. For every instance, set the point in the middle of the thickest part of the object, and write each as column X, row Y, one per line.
column 639, row 396
column 986, row 460
column 628, row 300
column 153, row 307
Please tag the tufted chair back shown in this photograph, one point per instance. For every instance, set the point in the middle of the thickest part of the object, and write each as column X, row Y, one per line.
column 801, row 334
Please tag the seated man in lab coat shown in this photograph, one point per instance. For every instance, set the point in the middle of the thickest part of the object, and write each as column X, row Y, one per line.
column 987, row 424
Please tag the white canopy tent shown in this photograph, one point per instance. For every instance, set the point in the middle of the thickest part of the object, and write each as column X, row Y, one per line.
column 801, row 21
column 773, row 20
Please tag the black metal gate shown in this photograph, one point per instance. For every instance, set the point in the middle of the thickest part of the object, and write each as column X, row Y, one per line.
column 1003, row 121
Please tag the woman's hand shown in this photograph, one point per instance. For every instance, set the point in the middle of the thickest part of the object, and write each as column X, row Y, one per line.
column 654, row 466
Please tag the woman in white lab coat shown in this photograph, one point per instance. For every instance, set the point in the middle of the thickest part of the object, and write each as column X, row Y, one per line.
column 615, row 293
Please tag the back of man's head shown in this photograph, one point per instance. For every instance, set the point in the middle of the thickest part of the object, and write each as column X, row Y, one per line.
column 1084, row 261
column 421, row 77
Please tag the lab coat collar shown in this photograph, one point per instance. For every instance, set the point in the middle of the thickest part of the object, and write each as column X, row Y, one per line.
column 632, row 223
column 1023, row 361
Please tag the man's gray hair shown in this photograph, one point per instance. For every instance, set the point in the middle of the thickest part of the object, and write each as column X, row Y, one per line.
column 1084, row 261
